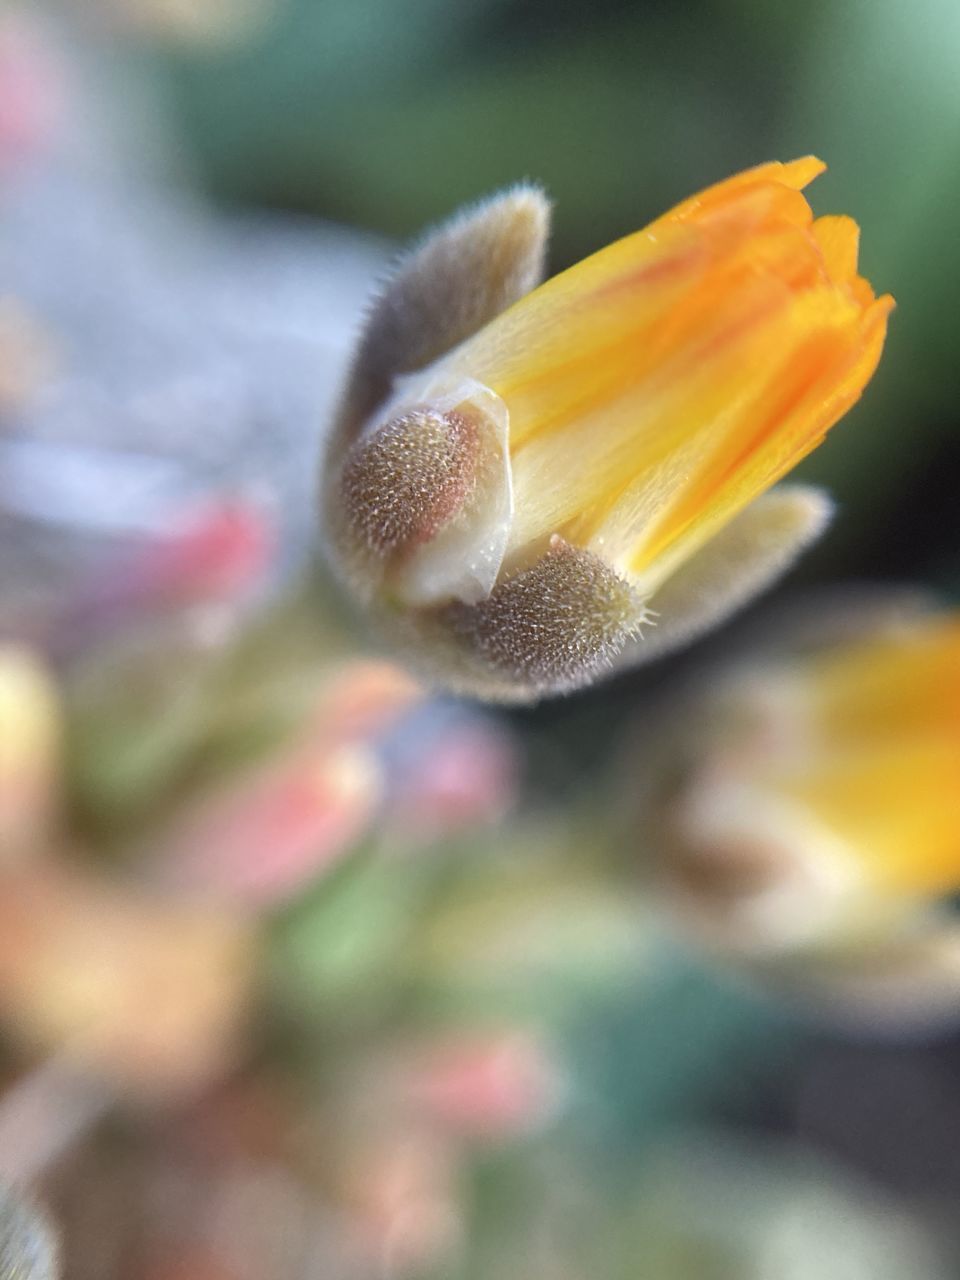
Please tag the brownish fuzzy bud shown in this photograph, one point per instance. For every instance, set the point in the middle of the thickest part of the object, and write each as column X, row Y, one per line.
column 459, row 277
column 555, row 623
column 402, row 484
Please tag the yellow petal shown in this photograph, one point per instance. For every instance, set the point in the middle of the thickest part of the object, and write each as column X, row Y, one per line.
column 658, row 387
column 874, row 754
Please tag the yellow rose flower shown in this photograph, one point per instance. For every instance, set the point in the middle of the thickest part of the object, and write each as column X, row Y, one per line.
column 518, row 481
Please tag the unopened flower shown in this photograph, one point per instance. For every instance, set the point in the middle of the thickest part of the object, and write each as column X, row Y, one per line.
column 819, row 812
column 518, row 481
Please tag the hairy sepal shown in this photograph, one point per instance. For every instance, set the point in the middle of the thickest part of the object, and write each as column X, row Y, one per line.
column 740, row 562
column 461, row 275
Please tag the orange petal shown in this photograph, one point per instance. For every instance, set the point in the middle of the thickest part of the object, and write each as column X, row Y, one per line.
column 794, row 175
column 839, row 239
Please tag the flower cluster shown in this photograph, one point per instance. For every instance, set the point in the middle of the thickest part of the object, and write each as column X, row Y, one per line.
column 207, row 829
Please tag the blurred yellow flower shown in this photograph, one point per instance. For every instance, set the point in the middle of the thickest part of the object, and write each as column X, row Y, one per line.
column 555, row 472
column 823, row 801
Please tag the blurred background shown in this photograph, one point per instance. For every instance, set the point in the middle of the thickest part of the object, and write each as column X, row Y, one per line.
column 305, row 971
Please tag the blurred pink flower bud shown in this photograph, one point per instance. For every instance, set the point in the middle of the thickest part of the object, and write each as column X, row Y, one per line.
column 215, row 552
column 218, row 551
column 460, row 775
column 364, row 699
column 269, row 833
column 487, row 1086
column 30, row 89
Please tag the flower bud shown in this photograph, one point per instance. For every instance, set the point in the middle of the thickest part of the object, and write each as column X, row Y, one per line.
column 528, row 489
column 816, row 829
